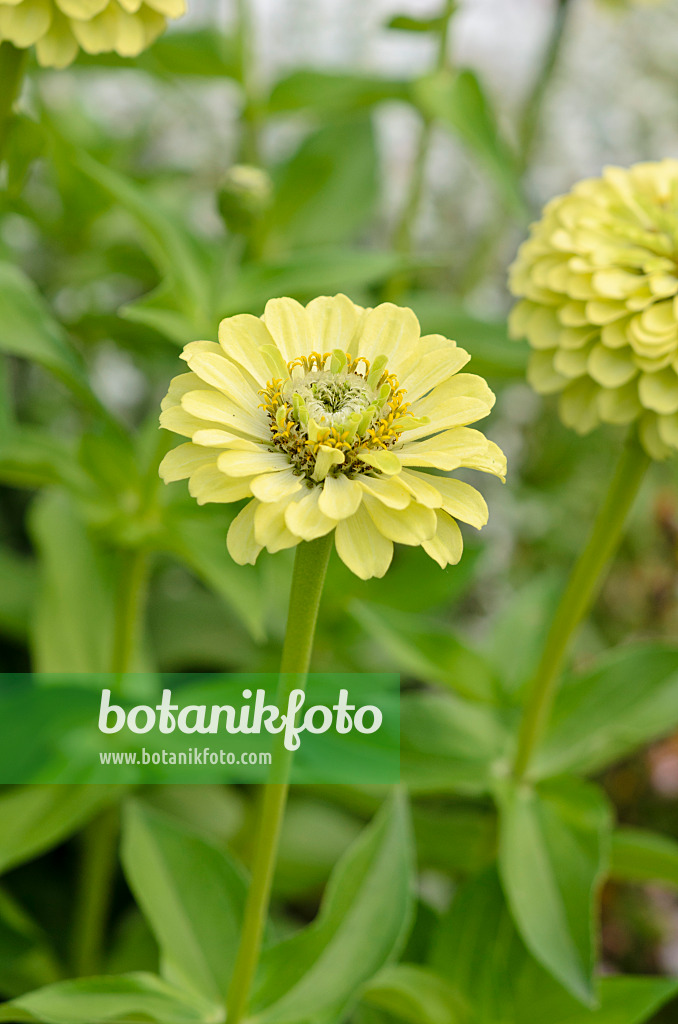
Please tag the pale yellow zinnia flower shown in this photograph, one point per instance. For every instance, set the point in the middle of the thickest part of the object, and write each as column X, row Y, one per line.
column 598, row 282
column 329, row 418
column 58, row 28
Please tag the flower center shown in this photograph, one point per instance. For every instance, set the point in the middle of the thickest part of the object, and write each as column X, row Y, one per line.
column 334, row 401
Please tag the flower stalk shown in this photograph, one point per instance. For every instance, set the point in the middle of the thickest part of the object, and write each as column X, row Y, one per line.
column 578, row 596
column 310, row 567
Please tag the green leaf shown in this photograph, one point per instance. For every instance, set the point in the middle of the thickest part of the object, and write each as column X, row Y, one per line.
column 628, row 699
column 451, row 745
column 16, row 602
column 553, row 852
column 637, row 855
column 426, row 650
column 329, row 93
column 455, row 838
column 362, row 923
column 192, row 896
column 407, row 23
column 30, row 331
column 327, row 192
column 26, row 960
column 127, row 997
column 314, row 836
column 416, row 995
column 25, row 143
column 30, row 457
column 36, row 818
column 478, row 950
column 73, row 618
column 459, row 101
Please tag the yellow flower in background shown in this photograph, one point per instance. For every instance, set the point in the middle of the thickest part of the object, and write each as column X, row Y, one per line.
column 329, row 417
column 58, row 28
column 598, row 283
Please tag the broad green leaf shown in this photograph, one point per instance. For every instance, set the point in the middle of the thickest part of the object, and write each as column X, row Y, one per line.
column 327, row 192
column 73, row 617
column 32, row 458
column 451, row 745
column 127, row 997
column 201, row 544
column 628, row 699
column 459, row 101
column 426, row 650
column 314, row 837
column 31, row 332
column 26, row 960
column 361, row 925
column 553, row 854
column 637, row 855
column 328, row 93
column 192, row 895
column 16, row 601
column 458, row 837
column 36, row 818
column 487, row 341
column 478, row 950
column 201, row 53
column 416, row 995
column 170, row 246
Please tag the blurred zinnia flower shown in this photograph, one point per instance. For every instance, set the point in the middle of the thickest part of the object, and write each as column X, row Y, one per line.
column 598, row 282
column 57, row 28
column 329, row 417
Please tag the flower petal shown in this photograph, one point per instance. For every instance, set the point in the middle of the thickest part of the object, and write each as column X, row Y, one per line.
column 241, row 338
column 332, row 323
column 219, row 372
column 251, row 463
column 208, row 484
column 289, row 327
column 274, row 486
column 447, row 545
column 305, row 519
column 410, row 525
column 392, row 331
column 463, row 399
column 270, row 528
column 459, row 499
column 240, row 540
column 183, row 460
column 388, row 490
column 217, row 408
column 362, row 547
column 340, row 497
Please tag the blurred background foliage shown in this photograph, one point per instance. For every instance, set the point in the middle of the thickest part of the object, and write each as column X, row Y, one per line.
column 403, row 154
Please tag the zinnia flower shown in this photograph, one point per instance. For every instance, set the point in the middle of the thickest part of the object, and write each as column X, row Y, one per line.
column 58, row 27
column 329, row 417
column 598, row 281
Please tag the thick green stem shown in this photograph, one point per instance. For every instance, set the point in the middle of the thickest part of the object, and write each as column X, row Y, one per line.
column 579, row 595
column 12, row 64
column 310, row 567
column 95, row 889
column 129, row 602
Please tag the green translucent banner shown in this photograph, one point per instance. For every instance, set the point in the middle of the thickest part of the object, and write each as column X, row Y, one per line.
column 155, row 728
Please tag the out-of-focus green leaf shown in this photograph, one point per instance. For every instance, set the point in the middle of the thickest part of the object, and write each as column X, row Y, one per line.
column 16, row 601
column 450, row 745
column 460, row 837
column 478, row 950
column 306, row 274
column 73, row 618
column 527, row 614
column 326, row 193
column 362, row 923
column 627, row 699
column 30, row 457
column 408, row 23
column 328, row 93
column 416, row 995
column 192, row 896
column 459, row 101
column 180, row 262
column 29, row 330
column 158, row 310
column 202, row 53
column 553, row 855
column 36, row 818
column 638, row 855
column 492, row 353
column 314, row 836
column 202, row 546
column 25, row 143
column 127, row 997
column 426, row 650
column 26, row 960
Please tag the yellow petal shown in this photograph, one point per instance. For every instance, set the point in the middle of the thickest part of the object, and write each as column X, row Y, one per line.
column 275, row 486
column 289, row 327
column 362, row 547
column 577, row 405
column 26, row 22
column 463, row 399
column 214, row 407
column 454, row 448
column 240, row 540
column 217, row 371
column 542, row 374
column 270, row 528
column 81, row 9
column 428, row 369
column 58, row 47
column 207, row 484
column 447, row 545
column 410, row 525
column 619, row 405
column 326, row 458
column 459, row 499
column 214, row 438
column 332, row 323
column 340, row 497
column 659, row 391
column 420, row 489
column 183, row 460
column 305, row 519
column 388, row 490
column 611, row 367
column 241, row 338
column 385, row 462
column 169, row 8
column 392, row 331
column 251, row 463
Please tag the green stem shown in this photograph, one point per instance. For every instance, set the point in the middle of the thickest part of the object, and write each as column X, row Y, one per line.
column 251, row 117
column 130, row 599
column 12, row 64
column 310, row 567
column 530, row 120
column 95, row 890
column 404, row 232
column 579, row 595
